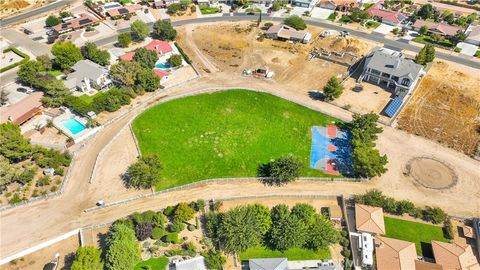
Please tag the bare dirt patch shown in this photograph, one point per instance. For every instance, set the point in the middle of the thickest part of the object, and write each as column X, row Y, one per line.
column 446, row 107
column 10, row 7
column 431, row 173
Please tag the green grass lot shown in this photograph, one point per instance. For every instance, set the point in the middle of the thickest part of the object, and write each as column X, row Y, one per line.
column 54, row 72
column 428, row 39
column 372, row 24
column 225, row 134
column 293, row 254
column 159, row 263
column 209, row 10
column 89, row 99
column 419, row 233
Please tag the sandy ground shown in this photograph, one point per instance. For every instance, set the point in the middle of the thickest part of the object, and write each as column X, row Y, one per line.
column 446, row 107
column 37, row 260
column 62, row 214
column 10, row 7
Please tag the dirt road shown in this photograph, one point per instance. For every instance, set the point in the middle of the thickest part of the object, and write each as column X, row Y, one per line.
column 27, row 226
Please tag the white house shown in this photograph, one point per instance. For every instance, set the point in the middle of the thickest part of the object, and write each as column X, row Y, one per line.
column 88, row 75
column 473, row 35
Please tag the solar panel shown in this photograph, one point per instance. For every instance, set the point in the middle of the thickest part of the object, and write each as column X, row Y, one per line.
column 84, row 21
column 123, row 11
column 393, row 107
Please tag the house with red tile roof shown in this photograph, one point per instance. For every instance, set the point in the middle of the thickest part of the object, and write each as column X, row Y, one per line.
column 342, row 5
column 159, row 46
column 453, row 256
column 82, row 21
column 438, row 28
column 393, row 254
column 122, row 11
column 390, row 17
column 369, row 219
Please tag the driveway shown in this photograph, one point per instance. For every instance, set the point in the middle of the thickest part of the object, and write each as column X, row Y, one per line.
column 321, row 13
column 22, row 40
column 467, row 49
column 383, row 29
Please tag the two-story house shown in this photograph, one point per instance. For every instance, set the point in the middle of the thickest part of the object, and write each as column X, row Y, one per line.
column 392, row 70
column 88, row 75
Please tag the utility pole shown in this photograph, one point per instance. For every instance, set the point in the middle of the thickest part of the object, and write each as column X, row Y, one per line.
column 259, row 19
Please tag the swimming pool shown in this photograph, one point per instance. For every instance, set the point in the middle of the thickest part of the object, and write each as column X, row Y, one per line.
column 163, row 66
column 74, row 126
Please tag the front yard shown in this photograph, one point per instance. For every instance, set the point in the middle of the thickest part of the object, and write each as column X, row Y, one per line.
column 419, row 233
column 205, row 10
column 293, row 254
column 429, row 40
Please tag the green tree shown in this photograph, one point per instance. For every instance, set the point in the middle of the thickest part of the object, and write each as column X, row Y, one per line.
column 124, row 39
column 52, row 21
column 87, row 258
column 164, row 30
column 7, row 172
column 183, row 212
column 214, row 259
column 28, row 71
column 125, row 72
column 287, row 230
column 55, row 90
column 263, row 217
column 426, row 11
column 367, row 161
column 45, row 61
column 321, row 233
column 145, row 172
column 175, row 60
column 13, row 145
column 421, row 57
column 304, row 212
column 123, row 252
column 434, row 214
column 66, row 54
column 139, row 30
column 295, row 22
column 359, row 15
column 148, row 80
column 92, row 52
column 281, row 171
column 146, row 58
column 458, row 37
column 237, row 231
column 364, row 127
column 332, row 89
column 174, row 8
column 429, row 53
column 423, row 30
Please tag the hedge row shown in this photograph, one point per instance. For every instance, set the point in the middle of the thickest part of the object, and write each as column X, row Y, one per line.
column 17, row 51
column 185, row 56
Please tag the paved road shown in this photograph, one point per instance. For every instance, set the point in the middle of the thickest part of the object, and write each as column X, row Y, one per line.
column 34, row 12
column 24, row 41
column 464, row 60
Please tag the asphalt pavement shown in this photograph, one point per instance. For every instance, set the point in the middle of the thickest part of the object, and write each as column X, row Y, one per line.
column 34, row 12
column 376, row 37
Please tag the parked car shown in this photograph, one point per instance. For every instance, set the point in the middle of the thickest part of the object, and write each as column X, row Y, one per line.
column 24, row 90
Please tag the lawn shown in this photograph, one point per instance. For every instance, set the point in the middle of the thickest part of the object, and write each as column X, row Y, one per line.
column 209, row 10
column 155, row 263
column 419, row 233
column 293, row 254
column 225, row 134
column 372, row 24
column 428, row 39
column 89, row 99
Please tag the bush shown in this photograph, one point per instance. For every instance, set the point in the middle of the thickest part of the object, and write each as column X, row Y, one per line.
column 158, row 233
column 171, row 238
column 111, row 101
column 15, row 199
column 346, row 253
column 295, row 22
column 187, row 59
column 43, row 181
column 191, row 227
column 168, row 211
column 175, row 60
column 434, row 214
column 176, row 226
column 345, row 19
column 332, row 17
column 143, row 231
column 52, row 21
column 448, row 229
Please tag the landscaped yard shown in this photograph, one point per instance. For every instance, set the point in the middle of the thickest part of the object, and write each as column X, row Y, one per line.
column 154, row 263
column 293, row 254
column 419, row 233
column 225, row 134
column 209, row 10
column 372, row 24
column 428, row 39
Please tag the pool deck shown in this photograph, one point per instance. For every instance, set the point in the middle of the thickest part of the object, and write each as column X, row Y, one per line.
column 78, row 137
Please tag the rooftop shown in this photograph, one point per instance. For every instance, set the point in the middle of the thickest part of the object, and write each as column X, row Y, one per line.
column 393, row 62
column 443, row 28
column 23, row 110
column 83, row 20
column 393, row 16
column 369, row 219
column 268, row 264
column 393, row 254
column 196, row 263
column 284, row 31
column 455, row 256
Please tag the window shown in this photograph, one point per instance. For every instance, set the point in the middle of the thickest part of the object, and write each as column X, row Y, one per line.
column 406, row 82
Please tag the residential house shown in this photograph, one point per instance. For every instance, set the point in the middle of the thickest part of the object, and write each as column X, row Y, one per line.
column 108, row 6
column 340, row 5
column 443, row 29
column 309, row 4
column 196, row 263
column 165, row 3
column 123, row 11
column 287, row 33
column 391, row 69
column 422, row 265
column 23, row 110
column 393, row 254
column 285, row 264
column 453, row 256
column 159, row 46
column 390, row 17
column 88, row 75
column 369, row 219
column 259, row 2
column 82, row 21
column 473, row 35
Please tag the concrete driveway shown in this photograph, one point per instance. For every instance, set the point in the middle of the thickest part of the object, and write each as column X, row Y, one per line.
column 321, row 13
column 383, row 29
column 467, row 49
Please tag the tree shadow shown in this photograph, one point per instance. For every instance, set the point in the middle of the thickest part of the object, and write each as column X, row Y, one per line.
column 68, row 260
column 265, row 171
column 315, row 95
column 427, row 250
column 126, row 180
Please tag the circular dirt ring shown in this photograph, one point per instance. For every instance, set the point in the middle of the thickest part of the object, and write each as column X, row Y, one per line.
column 431, row 173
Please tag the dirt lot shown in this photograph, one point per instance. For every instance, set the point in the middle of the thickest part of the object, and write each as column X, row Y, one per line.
column 234, row 47
column 10, row 7
column 37, row 260
column 446, row 107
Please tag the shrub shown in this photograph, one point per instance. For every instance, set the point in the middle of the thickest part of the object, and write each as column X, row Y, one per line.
column 280, row 171
column 43, row 181
column 295, row 22
column 185, row 56
column 52, row 21
column 143, row 231
column 332, row 17
column 175, row 60
column 448, row 229
column 191, row 227
column 434, row 214
column 176, row 226
column 15, row 199
column 346, row 253
column 171, row 238
column 168, row 211
column 345, row 19
column 157, row 233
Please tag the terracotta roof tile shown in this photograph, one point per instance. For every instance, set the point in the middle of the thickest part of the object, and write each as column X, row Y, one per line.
column 369, row 219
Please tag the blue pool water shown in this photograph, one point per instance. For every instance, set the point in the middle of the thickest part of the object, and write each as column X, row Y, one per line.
column 74, row 126
column 163, row 66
